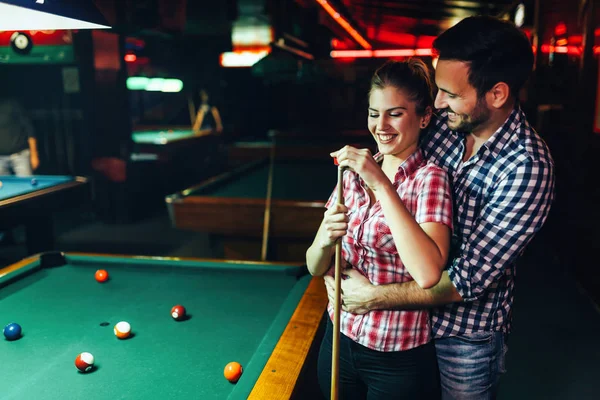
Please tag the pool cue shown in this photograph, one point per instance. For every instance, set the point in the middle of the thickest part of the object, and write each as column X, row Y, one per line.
column 335, row 350
column 267, row 216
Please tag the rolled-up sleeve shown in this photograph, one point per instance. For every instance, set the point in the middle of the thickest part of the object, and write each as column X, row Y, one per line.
column 434, row 203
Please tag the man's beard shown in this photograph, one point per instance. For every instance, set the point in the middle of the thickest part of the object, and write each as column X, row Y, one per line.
column 468, row 123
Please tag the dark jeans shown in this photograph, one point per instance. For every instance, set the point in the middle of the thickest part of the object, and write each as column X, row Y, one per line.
column 369, row 374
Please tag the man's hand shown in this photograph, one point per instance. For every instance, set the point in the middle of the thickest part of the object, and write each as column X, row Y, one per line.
column 358, row 293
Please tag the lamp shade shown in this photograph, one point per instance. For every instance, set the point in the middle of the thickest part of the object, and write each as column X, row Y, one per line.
column 23, row 15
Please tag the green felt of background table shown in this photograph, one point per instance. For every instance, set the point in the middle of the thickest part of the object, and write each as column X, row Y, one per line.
column 297, row 180
column 238, row 312
column 160, row 136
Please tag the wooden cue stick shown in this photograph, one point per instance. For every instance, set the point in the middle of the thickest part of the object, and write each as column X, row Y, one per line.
column 267, row 215
column 335, row 350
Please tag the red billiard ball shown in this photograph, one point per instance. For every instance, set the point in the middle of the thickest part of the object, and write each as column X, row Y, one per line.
column 84, row 362
column 233, row 372
column 101, row 275
column 178, row 312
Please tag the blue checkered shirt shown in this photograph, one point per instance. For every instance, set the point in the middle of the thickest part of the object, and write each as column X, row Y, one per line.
column 502, row 196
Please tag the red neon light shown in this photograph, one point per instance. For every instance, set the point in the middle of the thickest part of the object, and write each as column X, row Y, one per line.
column 130, row 58
column 562, row 42
column 546, row 48
column 394, row 53
column 344, row 24
column 560, row 29
column 351, row 53
column 571, row 50
column 380, row 53
column 424, row 52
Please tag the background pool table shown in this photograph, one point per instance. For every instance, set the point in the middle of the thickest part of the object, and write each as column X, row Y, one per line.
column 164, row 135
column 263, row 315
column 297, row 145
column 232, row 206
column 180, row 156
column 158, row 163
column 23, row 203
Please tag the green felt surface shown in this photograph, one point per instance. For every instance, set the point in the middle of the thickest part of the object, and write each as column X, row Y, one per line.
column 292, row 180
column 160, row 137
column 15, row 186
column 237, row 313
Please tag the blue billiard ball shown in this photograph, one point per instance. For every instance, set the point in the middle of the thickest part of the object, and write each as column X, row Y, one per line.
column 12, row 331
column 34, row 182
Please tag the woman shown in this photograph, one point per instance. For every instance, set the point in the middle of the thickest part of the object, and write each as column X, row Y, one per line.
column 396, row 226
column 207, row 118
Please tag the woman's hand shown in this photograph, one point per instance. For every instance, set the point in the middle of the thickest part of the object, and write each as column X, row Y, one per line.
column 335, row 225
column 362, row 162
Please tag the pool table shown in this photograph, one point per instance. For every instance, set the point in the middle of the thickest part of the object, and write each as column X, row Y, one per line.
column 296, row 145
column 265, row 316
column 165, row 135
column 169, row 159
column 165, row 144
column 231, row 207
column 34, row 205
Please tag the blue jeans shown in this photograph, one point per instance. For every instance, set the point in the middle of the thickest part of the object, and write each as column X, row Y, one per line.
column 19, row 163
column 471, row 365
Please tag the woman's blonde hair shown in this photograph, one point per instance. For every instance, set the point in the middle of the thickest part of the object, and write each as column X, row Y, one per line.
column 411, row 76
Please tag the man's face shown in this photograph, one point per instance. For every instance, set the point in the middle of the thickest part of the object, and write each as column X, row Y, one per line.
column 456, row 95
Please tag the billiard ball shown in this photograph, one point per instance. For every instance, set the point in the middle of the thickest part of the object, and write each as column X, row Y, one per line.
column 178, row 312
column 34, row 182
column 101, row 275
column 233, row 371
column 1, row 184
column 12, row 331
column 21, row 43
column 122, row 330
column 84, row 362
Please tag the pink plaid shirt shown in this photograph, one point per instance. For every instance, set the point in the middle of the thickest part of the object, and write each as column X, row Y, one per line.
column 369, row 248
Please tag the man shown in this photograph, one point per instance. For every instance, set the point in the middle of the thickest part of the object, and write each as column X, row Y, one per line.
column 18, row 145
column 503, row 184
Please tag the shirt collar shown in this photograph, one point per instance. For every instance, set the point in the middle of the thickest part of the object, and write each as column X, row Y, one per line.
column 506, row 132
column 408, row 167
column 503, row 135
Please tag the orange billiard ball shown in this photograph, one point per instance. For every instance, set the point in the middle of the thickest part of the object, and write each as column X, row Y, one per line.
column 122, row 330
column 101, row 275
column 233, row 371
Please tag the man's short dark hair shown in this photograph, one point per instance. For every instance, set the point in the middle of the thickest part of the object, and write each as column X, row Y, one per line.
column 496, row 50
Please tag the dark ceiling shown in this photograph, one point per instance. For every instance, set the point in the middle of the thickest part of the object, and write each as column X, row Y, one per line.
column 389, row 23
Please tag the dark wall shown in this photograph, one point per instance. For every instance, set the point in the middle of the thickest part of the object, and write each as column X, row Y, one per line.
column 58, row 117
